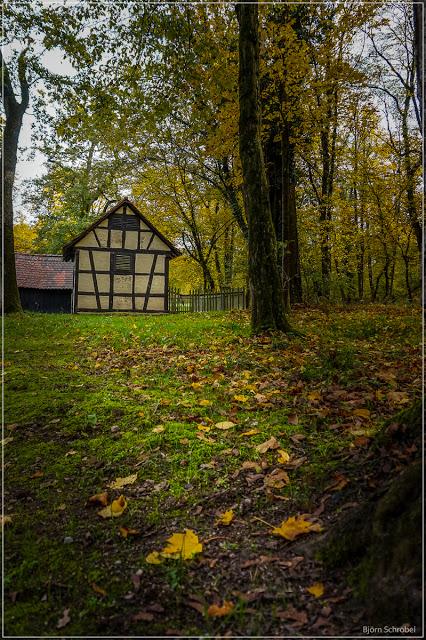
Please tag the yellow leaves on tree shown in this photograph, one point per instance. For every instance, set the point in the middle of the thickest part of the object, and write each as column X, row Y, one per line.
column 114, row 509
column 295, row 526
column 180, row 546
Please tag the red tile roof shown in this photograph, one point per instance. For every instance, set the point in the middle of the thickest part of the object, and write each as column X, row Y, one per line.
column 43, row 271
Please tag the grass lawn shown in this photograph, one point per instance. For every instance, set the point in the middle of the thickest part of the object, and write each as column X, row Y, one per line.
column 89, row 399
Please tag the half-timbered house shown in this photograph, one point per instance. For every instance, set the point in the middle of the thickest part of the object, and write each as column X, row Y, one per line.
column 121, row 263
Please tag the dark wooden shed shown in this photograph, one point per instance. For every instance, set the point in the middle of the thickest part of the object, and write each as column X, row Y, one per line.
column 45, row 282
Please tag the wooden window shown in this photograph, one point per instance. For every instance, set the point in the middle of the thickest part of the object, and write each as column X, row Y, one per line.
column 123, row 222
column 122, row 263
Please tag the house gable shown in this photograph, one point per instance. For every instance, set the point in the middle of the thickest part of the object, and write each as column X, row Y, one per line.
column 122, row 227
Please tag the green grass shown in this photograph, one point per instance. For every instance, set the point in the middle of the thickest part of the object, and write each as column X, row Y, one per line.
column 70, row 380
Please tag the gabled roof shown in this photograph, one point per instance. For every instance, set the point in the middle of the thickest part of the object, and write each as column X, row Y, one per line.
column 43, row 271
column 68, row 249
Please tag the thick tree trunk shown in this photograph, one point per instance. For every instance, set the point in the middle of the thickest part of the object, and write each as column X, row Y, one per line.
column 14, row 113
column 268, row 310
column 381, row 541
column 419, row 11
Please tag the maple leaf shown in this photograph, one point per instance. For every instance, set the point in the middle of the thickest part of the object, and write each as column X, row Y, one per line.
column 114, row 509
column 295, row 526
column 224, row 425
column 226, row 518
column 122, row 482
column 316, row 589
column 217, row 611
column 99, row 498
column 283, row 456
column 182, row 545
column 272, row 443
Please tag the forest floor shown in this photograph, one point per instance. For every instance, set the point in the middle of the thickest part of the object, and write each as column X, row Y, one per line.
column 203, row 424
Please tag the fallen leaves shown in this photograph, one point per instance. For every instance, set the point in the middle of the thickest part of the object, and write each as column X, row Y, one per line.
column 180, row 546
column 125, row 532
column 101, row 592
column 119, row 483
column 224, row 425
column 158, row 429
column 295, row 526
column 218, row 611
column 277, row 479
column 272, row 443
column 114, row 509
column 338, row 483
column 62, row 622
column 283, row 456
column 241, row 398
column 5, row 520
column 316, row 589
column 225, row 518
column 99, row 498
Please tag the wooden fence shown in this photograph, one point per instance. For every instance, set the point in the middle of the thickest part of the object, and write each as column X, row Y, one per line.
column 199, row 300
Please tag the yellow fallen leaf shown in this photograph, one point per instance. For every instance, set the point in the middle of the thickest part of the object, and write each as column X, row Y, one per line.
column 314, row 396
column 217, row 611
column 114, row 509
column 283, row 456
column 224, row 425
column 6, row 441
column 182, row 545
column 205, row 403
column 99, row 498
column 272, row 443
column 184, row 441
column 196, row 385
column 226, row 518
column 154, row 558
column 295, row 526
column 250, row 432
column 122, row 482
column 362, row 413
column 317, row 589
column 241, row 398
column 5, row 520
column 98, row 590
column 158, row 429
column 203, row 427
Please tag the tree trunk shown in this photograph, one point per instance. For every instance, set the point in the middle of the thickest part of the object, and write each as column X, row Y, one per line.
column 419, row 11
column 268, row 310
column 380, row 542
column 14, row 111
column 289, row 215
